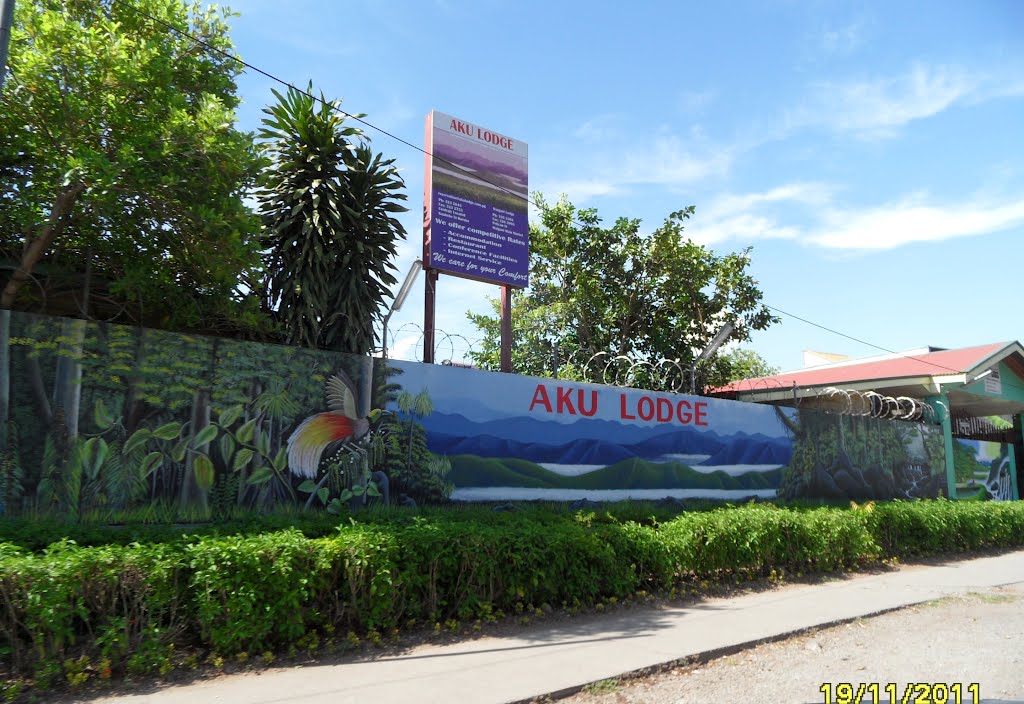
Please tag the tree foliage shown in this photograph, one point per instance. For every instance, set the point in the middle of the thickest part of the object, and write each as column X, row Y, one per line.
column 122, row 166
column 740, row 363
column 617, row 291
column 327, row 203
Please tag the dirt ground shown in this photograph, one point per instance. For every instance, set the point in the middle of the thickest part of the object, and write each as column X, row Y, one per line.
column 978, row 638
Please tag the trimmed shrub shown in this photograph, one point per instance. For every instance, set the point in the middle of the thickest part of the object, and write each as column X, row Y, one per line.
column 75, row 612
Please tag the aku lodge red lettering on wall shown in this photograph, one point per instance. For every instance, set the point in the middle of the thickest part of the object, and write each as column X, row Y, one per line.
column 480, row 133
column 584, row 402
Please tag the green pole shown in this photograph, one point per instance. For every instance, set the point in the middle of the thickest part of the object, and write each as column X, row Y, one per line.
column 947, row 441
column 1013, row 474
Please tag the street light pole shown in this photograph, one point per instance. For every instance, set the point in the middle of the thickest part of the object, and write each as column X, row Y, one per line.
column 396, row 305
column 712, row 347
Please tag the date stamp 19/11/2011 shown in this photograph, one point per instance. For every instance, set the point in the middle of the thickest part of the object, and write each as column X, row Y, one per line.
column 890, row 692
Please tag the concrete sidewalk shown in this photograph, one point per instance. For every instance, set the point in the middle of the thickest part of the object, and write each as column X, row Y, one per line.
column 586, row 649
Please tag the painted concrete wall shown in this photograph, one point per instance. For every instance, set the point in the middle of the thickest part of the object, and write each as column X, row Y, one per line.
column 109, row 417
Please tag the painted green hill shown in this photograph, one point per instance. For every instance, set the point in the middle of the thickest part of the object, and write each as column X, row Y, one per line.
column 470, row 470
column 633, row 473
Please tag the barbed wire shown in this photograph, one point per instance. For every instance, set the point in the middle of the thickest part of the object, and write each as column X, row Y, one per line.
column 454, row 349
column 853, row 402
column 450, row 349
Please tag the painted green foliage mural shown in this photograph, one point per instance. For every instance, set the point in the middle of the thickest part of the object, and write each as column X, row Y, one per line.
column 861, row 458
column 983, row 470
column 105, row 417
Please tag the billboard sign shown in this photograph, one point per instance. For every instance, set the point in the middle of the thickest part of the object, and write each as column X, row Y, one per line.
column 475, row 198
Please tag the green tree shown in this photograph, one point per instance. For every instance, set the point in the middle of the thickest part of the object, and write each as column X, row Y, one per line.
column 740, row 363
column 327, row 203
column 123, row 171
column 615, row 291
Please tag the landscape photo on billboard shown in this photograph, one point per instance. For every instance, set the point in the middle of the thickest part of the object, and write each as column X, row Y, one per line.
column 483, row 174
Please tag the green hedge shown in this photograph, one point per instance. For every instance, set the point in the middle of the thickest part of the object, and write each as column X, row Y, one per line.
column 72, row 612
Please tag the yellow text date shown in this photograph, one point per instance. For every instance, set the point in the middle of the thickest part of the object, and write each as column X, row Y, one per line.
column 912, row 693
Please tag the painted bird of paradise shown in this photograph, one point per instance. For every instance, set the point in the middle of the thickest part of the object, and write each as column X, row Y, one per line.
column 340, row 425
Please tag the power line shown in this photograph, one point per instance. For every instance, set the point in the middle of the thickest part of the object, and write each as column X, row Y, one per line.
column 879, row 347
column 857, row 339
column 333, row 106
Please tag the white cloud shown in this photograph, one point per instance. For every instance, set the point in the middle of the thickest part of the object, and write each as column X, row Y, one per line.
column 391, row 116
column 408, row 346
column 808, row 212
column 578, row 191
column 599, row 128
column 748, row 216
column 807, row 192
column 669, row 161
column 877, row 107
column 842, row 40
column 666, row 160
column 913, row 219
column 694, row 102
column 743, row 227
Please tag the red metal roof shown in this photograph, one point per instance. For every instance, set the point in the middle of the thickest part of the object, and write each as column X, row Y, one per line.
column 931, row 364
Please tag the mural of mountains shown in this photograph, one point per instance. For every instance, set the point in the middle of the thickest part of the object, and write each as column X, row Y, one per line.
column 531, row 430
column 681, row 441
column 581, row 451
column 635, row 473
column 594, row 441
column 752, row 449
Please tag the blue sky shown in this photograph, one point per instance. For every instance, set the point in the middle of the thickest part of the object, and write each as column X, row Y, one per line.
column 871, row 153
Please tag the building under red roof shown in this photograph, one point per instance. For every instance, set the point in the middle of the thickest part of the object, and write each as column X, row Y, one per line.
column 976, row 393
column 982, row 380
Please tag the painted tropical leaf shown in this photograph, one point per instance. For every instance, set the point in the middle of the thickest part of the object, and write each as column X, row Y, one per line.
column 227, row 447
column 242, row 458
column 151, row 463
column 245, row 433
column 204, row 436
column 262, row 475
column 230, row 415
column 202, row 466
column 178, row 453
column 168, row 431
column 136, row 441
column 103, row 418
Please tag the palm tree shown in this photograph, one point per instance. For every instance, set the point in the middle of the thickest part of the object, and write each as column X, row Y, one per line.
column 327, row 204
column 418, row 407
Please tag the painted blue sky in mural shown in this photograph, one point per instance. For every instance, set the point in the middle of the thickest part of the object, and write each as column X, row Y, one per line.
column 485, row 397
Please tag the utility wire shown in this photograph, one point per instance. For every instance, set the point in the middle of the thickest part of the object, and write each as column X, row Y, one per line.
column 331, row 105
column 334, row 106
column 879, row 347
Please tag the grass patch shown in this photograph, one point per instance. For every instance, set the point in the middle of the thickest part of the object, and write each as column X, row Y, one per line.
column 608, row 686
